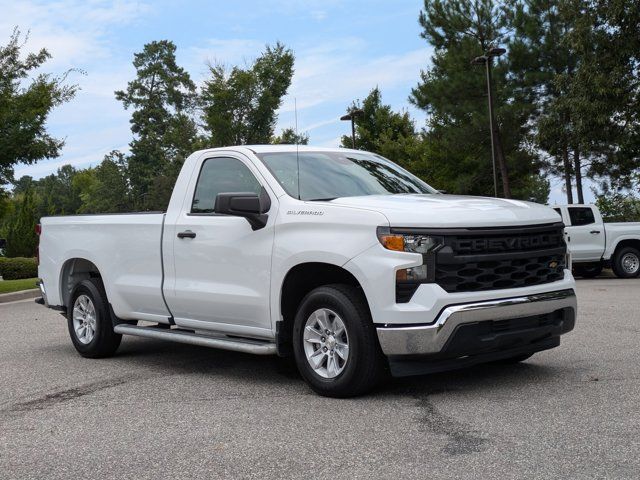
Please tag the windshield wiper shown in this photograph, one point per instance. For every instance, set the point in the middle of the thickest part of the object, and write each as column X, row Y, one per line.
column 321, row 199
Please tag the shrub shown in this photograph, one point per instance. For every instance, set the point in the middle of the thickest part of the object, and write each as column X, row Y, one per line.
column 18, row 268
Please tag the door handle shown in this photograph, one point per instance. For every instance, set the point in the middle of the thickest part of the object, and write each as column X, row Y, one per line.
column 187, row 234
column 594, row 231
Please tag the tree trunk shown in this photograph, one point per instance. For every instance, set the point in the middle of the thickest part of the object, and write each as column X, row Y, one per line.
column 578, row 169
column 567, row 173
column 502, row 164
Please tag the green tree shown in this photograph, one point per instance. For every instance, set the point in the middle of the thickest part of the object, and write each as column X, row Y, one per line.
column 577, row 62
column 105, row 188
column 391, row 134
column 605, row 91
column 24, row 109
column 23, row 184
column 57, row 194
column 542, row 63
column 618, row 207
column 378, row 123
column 239, row 106
column 162, row 97
column 288, row 136
column 21, row 229
column 453, row 94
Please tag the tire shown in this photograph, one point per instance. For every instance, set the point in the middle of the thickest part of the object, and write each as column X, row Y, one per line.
column 626, row 262
column 589, row 271
column 516, row 359
column 88, row 311
column 337, row 307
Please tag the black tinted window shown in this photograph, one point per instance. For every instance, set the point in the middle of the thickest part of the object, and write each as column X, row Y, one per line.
column 221, row 175
column 581, row 216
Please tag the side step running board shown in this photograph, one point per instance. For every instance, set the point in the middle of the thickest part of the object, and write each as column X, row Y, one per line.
column 238, row 345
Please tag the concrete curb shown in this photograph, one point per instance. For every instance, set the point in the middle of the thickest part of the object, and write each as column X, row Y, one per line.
column 21, row 295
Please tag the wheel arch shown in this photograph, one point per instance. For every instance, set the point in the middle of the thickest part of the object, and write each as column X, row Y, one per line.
column 297, row 283
column 73, row 271
column 628, row 242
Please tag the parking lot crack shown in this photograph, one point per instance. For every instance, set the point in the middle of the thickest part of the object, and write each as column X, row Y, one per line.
column 462, row 438
column 60, row 396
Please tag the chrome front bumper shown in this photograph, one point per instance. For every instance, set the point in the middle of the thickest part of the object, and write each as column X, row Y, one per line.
column 432, row 338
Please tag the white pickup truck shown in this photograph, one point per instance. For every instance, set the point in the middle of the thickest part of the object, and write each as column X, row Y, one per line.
column 595, row 244
column 336, row 257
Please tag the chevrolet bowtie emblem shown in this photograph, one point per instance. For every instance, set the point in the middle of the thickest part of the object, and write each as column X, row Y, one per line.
column 553, row 264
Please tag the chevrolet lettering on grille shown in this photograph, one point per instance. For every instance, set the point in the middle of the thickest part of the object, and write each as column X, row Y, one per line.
column 507, row 243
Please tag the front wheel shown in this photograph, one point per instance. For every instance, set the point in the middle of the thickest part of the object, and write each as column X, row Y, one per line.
column 89, row 322
column 335, row 344
column 626, row 262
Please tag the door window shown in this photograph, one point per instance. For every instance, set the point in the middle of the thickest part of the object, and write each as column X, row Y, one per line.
column 221, row 175
column 581, row 216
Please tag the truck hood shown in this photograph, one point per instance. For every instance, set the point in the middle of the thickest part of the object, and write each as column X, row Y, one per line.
column 441, row 211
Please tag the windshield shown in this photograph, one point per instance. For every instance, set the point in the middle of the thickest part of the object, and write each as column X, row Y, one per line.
column 329, row 175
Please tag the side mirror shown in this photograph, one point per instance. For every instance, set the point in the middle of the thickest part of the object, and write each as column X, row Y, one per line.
column 249, row 205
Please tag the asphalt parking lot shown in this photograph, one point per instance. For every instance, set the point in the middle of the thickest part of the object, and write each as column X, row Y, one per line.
column 162, row 410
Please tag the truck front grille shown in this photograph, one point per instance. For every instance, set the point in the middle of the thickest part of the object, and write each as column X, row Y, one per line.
column 492, row 259
column 498, row 274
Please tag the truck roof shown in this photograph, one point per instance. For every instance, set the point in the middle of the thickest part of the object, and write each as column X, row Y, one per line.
column 573, row 205
column 283, row 148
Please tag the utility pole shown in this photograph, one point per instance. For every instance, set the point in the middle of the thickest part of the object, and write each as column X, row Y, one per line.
column 497, row 153
column 356, row 112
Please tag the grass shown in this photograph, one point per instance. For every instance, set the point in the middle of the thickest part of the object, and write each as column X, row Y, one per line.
column 8, row 286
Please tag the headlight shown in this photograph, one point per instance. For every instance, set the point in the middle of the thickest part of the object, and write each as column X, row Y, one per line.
column 408, row 279
column 405, row 242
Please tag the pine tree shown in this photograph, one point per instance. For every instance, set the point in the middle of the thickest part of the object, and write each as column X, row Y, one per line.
column 453, row 94
column 391, row 134
column 162, row 97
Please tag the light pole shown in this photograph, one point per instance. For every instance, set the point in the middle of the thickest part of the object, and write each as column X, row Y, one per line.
column 486, row 60
column 356, row 112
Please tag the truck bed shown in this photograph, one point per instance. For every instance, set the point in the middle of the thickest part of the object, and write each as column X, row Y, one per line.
column 125, row 247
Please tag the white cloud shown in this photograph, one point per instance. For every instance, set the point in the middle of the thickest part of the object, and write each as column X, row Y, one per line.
column 328, row 74
column 344, row 71
column 73, row 31
column 233, row 51
column 78, row 34
column 318, row 15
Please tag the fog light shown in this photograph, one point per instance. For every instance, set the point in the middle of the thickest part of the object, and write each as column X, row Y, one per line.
column 414, row 274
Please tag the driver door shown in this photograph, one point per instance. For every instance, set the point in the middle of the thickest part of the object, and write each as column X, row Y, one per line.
column 222, row 267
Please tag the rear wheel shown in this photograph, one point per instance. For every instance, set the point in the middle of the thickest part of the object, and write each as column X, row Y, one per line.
column 626, row 262
column 89, row 322
column 335, row 344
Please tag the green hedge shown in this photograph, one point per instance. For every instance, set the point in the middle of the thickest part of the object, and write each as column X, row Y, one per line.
column 18, row 268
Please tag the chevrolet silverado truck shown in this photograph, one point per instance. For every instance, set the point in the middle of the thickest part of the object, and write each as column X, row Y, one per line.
column 338, row 258
column 595, row 244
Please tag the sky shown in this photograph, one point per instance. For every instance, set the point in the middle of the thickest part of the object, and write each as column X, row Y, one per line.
column 343, row 49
